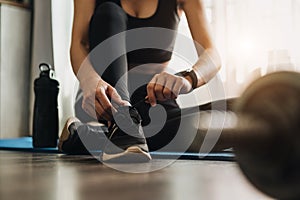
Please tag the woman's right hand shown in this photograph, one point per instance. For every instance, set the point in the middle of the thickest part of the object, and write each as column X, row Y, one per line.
column 100, row 99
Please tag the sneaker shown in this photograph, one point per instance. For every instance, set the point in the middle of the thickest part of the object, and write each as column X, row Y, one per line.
column 74, row 132
column 126, row 141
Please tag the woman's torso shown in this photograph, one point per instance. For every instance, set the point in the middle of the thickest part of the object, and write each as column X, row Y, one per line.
column 164, row 17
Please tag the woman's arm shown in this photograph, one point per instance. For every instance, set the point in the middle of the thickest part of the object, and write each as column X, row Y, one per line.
column 96, row 92
column 209, row 62
column 83, row 11
column 166, row 86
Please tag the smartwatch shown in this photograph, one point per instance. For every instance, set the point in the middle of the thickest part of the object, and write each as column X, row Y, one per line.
column 192, row 74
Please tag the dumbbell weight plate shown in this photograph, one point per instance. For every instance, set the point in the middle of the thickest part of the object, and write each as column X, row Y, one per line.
column 272, row 163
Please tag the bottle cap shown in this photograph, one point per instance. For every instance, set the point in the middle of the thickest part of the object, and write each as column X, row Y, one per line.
column 46, row 70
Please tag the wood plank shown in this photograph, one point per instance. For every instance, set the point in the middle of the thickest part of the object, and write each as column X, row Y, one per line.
column 53, row 176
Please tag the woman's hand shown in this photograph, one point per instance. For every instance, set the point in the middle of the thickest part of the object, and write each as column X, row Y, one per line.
column 165, row 86
column 100, row 99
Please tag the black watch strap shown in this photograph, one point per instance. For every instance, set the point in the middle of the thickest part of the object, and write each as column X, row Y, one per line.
column 191, row 73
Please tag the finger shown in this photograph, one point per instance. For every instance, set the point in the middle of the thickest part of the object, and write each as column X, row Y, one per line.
column 116, row 99
column 159, row 87
column 150, row 91
column 102, row 98
column 147, row 99
column 94, row 109
column 177, row 87
column 167, row 91
column 101, row 112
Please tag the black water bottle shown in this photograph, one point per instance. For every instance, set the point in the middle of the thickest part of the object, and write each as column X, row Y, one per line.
column 45, row 116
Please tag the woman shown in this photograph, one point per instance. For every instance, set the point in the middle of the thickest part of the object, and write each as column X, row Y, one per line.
column 101, row 97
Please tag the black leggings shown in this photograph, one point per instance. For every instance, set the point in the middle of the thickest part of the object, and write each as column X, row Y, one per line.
column 110, row 19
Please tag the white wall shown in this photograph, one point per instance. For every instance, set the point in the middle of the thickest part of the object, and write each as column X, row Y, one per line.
column 15, row 32
column 62, row 18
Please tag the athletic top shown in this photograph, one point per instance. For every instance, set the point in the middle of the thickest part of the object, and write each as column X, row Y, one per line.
column 165, row 16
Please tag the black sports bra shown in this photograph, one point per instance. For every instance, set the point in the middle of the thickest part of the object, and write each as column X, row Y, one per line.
column 166, row 16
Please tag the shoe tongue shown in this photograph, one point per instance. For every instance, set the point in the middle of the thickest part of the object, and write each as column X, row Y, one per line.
column 126, row 117
column 123, row 120
column 128, row 113
column 135, row 116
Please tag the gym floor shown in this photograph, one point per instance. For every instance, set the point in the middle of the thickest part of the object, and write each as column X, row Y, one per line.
column 52, row 176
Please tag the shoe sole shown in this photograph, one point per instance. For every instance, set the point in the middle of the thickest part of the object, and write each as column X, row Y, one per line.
column 65, row 132
column 132, row 154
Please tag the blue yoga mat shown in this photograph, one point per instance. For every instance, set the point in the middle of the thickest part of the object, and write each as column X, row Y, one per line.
column 25, row 144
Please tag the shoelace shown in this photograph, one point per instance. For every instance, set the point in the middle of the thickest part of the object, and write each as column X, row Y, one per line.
column 133, row 120
column 141, row 101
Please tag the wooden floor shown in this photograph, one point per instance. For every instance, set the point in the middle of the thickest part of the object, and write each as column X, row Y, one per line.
column 51, row 176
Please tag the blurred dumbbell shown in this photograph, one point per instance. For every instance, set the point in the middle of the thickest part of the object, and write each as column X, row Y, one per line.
column 266, row 134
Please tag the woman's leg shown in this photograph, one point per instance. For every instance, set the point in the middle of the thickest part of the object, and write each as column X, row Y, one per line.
column 108, row 20
column 180, row 129
column 185, row 120
column 125, row 132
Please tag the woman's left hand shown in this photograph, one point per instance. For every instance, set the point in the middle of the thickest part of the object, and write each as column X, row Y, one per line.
column 165, row 86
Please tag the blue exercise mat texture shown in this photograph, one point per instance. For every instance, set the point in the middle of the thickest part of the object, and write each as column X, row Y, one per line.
column 24, row 144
